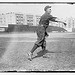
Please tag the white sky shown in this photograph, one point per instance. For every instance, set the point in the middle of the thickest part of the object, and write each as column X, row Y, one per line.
column 59, row 10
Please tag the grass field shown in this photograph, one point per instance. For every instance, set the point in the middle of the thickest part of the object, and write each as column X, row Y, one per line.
column 60, row 53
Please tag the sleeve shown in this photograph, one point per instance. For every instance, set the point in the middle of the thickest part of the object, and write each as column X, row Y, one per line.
column 51, row 18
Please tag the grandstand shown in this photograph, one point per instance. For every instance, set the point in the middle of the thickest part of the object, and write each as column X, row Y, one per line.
column 27, row 28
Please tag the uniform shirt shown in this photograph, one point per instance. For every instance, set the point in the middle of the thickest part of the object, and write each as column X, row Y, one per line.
column 43, row 24
column 45, row 18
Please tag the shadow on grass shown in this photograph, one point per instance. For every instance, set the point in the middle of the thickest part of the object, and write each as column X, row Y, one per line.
column 42, row 53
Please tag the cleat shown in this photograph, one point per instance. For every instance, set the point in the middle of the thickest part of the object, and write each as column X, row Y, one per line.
column 30, row 56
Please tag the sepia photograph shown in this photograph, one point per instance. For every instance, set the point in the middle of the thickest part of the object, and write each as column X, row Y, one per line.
column 37, row 36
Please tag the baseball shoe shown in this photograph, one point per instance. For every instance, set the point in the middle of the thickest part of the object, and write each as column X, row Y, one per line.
column 30, row 56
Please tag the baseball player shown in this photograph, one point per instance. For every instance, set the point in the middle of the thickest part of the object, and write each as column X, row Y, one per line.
column 41, row 30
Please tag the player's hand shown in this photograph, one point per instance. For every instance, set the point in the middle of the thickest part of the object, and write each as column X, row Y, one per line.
column 64, row 23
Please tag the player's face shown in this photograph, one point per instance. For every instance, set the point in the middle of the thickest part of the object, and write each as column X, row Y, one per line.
column 48, row 10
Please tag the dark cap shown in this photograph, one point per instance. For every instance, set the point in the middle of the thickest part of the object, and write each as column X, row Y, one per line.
column 47, row 7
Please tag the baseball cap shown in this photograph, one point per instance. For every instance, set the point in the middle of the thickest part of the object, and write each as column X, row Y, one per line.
column 47, row 7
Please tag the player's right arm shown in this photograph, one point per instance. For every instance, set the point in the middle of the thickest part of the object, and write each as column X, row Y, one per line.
column 55, row 19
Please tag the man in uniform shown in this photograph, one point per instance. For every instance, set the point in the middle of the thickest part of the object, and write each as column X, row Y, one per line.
column 41, row 30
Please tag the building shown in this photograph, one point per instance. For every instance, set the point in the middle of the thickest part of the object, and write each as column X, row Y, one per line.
column 30, row 20
column 10, row 18
column 15, row 18
column 70, row 24
column 37, row 19
column 19, row 18
column 74, row 22
column 3, row 20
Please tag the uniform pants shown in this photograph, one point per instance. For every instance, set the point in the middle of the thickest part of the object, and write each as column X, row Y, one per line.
column 41, row 42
